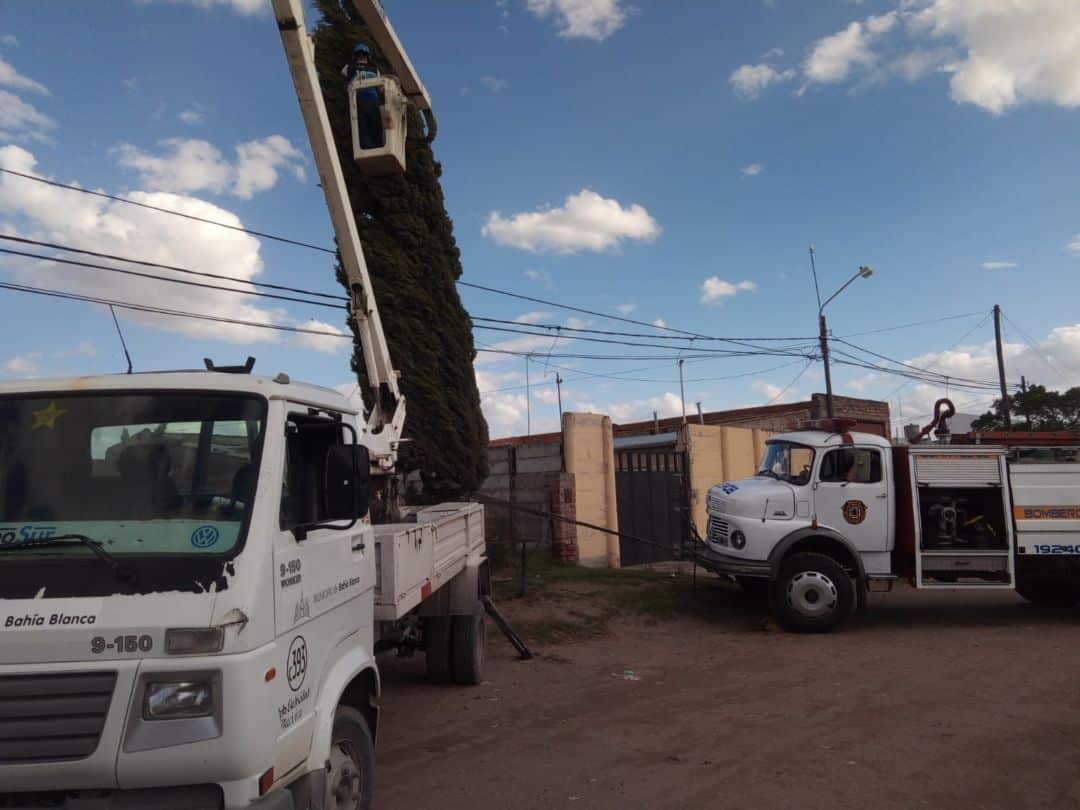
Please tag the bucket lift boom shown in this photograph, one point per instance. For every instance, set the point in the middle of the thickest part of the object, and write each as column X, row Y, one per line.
column 386, row 419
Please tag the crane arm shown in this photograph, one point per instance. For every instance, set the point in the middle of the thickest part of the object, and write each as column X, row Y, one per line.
column 385, row 421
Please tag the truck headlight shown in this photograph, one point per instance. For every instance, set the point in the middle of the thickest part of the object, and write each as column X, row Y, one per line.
column 178, row 700
column 738, row 540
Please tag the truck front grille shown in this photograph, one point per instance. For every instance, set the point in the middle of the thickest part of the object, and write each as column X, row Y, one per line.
column 718, row 531
column 46, row 718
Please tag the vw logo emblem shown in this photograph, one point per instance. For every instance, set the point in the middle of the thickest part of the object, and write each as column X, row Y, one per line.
column 204, row 536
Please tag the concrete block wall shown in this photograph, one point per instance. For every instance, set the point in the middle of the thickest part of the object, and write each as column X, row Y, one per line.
column 533, row 469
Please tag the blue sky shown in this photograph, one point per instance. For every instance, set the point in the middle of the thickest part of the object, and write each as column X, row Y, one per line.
column 663, row 160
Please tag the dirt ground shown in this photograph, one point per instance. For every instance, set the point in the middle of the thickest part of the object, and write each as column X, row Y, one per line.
column 931, row 700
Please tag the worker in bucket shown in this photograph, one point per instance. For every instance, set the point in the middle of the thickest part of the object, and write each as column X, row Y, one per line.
column 368, row 99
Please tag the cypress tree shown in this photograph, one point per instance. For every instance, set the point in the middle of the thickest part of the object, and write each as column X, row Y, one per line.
column 414, row 261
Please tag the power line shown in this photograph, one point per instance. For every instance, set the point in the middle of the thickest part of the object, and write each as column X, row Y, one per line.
column 613, row 341
column 174, row 268
column 185, row 282
column 910, row 325
column 962, row 338
column 617, row 377
column 173, row 212
column 905, row 365
column 560, row 328
column 787, row 387
column 170, row 312
column 1032, row 345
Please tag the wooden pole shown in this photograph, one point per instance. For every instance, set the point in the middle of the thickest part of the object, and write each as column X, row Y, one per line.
column 1001, row 368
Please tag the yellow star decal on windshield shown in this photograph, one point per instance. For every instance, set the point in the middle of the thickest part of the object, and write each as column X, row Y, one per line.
column 47, row 417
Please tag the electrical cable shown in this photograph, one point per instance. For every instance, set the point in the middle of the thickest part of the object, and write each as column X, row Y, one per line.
column 115, row 198
column 174, row 268
column 170, row 312
column 185, row 282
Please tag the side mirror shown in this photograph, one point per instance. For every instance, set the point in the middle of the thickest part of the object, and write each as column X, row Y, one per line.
column 348, row 482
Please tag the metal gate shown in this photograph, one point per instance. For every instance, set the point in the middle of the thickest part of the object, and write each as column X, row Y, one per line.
column 650, row 492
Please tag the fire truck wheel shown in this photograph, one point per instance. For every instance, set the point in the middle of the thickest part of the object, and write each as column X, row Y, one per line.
column 470, row 642
column 1049, row 593
column 350, row 782
column 814, row 594
column 437, row 648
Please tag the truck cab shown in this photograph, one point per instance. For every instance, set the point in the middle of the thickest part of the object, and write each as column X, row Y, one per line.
column 188, row 592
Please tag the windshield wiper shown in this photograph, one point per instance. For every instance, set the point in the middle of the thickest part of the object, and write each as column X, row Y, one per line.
column 769, row 473
column 123, row 573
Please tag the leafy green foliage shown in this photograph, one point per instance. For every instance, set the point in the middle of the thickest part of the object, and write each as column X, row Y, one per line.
column 414, row 262
column 1037, row 407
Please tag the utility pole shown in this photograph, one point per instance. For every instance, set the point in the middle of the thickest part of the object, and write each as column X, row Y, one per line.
column 1023, row 390
column 700, row 415
column 558, row 388
column 1001, row 368
column 823, row 337
column 682, row 392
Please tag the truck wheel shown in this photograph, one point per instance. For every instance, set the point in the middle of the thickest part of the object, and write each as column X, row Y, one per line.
column 437, row 648
column 1049, row 593
column 814, row 593
column 470, row 643
column 350, row 783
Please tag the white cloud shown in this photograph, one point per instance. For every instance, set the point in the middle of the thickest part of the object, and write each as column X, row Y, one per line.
column 245, row 7
column 660, row 322
column 586, row 221
column 9, row 77
column 22, row 121
column 625, row 309
column 494, row 83
column 774, row 53
column 714, row 289
column 191, row 165
column 833, row 57
column 537, row 316
column 668, row 404
column 1014, row 52
column 23, row 365
column 56, row 215
column 998, row 265
column 192, row 116
column 323, row 343
column 775, row 394
column 9, row 40
column 540, row 276
column 753, row 170
column 1074, row 245
column 749, row 81
column 582, row 19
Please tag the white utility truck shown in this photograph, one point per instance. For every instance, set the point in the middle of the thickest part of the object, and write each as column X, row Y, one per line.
column 192, row 591
column 832, row 514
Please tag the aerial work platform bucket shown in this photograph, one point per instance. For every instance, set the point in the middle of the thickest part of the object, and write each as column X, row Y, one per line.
column 377, row 110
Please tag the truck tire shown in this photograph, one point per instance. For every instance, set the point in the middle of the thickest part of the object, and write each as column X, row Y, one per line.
column 438, row 643
column 470, row 643
column 1049, row 593
column 350, row 781
column 814, row 594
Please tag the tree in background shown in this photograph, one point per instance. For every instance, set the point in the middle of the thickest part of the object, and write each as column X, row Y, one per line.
column 413, row 260
column 1038, row 408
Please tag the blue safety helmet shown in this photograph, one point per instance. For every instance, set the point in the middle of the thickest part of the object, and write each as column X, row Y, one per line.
column 361, row 49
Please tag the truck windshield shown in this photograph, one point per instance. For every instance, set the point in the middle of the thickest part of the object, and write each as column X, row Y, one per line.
column 158, row 474
column 787, row 462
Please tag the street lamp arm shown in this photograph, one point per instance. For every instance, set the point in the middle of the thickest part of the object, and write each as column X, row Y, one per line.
column 864, row 272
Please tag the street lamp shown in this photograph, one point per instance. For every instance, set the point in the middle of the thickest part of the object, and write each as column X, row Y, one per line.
column 823, row 335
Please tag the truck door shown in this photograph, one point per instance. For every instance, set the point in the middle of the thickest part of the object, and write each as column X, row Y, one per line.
column 321, row 569
column 852, row 498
